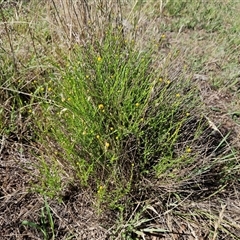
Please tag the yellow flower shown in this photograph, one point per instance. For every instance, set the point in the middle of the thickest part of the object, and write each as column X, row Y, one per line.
column 160, row 79
column 187, row 114
column 168, row 81
column 137, row 104
column 97, row 136
column 111, row 128
column 178, row 95
column 100, row 189
column 100, row 106
column 107, row 145
column 99, row 59
column 163, row 36
column 49, row 89
column 188, row 150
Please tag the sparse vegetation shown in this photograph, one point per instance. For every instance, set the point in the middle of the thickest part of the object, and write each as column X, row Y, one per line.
column 126, row 113
column 46, row 222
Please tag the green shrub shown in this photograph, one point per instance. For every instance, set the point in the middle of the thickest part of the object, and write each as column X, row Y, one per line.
column 117, row 118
